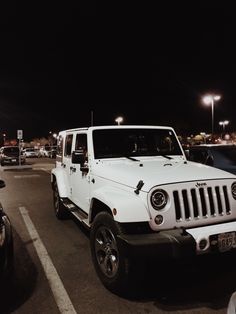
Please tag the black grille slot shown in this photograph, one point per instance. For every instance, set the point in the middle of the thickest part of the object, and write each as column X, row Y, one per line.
column 226, row 199
column 203, row 202
column 195, row 205
column 186, row 204
column 217, row 189
column 177, row 205
column 212, row 206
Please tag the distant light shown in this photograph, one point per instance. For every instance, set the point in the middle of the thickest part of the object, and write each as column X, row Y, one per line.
column 119, row 120
column 226, row 122
column 209, row 98
column 217, row 97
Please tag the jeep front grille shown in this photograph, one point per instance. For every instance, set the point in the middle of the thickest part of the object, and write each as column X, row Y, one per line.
column 197, row 203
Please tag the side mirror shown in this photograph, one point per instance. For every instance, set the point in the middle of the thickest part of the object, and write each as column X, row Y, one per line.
column 78, row 157
column 2, row 184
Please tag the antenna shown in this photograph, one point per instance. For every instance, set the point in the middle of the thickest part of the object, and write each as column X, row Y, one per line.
column 91, row 114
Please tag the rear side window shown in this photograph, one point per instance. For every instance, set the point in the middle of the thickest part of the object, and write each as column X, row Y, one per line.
column 68, row 145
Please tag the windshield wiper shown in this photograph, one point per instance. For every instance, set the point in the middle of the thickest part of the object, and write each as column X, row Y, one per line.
column 167, row 157
column 132, row 158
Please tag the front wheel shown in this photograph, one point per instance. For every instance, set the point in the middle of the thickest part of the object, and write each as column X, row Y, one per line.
column 111, row 266
column 60, row 211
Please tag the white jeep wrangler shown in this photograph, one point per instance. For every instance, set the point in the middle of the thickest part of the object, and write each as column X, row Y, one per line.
column 133, row 187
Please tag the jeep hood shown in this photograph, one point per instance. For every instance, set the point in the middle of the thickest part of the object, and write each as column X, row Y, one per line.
column 156, row 171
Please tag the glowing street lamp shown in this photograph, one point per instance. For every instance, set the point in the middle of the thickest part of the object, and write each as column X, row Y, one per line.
column 224, row 123
column 119, row 120
column 210, row 100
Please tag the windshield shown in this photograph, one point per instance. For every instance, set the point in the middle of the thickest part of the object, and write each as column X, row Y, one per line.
column 14, row 149
column 112, row 143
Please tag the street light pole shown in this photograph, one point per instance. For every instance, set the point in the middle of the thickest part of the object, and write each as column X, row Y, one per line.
column 224, row 123
column 4, row 138
column 210, row 100
column 212, row 116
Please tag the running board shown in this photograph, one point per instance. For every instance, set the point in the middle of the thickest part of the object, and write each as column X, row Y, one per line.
column 75, row 210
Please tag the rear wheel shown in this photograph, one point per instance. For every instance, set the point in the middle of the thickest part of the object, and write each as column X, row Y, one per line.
column 60, row 211
column 112, row 267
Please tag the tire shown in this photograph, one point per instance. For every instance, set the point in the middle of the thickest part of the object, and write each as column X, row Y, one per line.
column 111, row 266
column 60, row 211
column 10, row 258
column 8, row 253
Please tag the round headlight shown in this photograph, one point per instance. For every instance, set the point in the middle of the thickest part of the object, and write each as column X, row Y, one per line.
column 159, row 199
column 233, row 190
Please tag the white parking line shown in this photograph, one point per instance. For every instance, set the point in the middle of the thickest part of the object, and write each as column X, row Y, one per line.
column 61, row 297
column 43, row 169
column 26, row 176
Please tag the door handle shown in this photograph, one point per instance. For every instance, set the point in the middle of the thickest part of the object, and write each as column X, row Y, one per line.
column 72, row 169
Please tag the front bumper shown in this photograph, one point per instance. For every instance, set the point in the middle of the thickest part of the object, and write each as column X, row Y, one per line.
column 175, row 244
column 13, row 160
column 181, row 243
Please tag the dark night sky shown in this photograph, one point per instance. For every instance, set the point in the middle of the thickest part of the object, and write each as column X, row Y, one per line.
column 150, row 64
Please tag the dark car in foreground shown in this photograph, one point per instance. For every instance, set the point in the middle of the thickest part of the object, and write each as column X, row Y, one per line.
column 221, row 156
column 6, row 243
column 10, row 155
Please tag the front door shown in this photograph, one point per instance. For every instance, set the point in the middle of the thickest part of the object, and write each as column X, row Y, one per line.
column 79, row 180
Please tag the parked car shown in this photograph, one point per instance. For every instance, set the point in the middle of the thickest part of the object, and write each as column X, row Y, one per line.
column 44, row 151
column 47, row 151
column 221, row 156
column 10, row 155
column 6, row 243
column 134, row 189
column 52, row 152
column 30, row 152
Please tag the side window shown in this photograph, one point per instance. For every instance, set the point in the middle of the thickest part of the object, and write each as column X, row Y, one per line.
column 68, row 145
column 60, row 146
column 81, row 142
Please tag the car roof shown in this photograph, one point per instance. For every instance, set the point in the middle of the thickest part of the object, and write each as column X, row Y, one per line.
column 10, row 146
column 125, row 126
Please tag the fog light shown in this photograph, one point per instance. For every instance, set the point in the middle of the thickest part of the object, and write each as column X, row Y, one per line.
column 203, row 244
column 159, row 219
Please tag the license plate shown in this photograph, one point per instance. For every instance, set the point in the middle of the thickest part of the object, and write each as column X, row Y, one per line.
column 13, row 160
column 226, row 241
